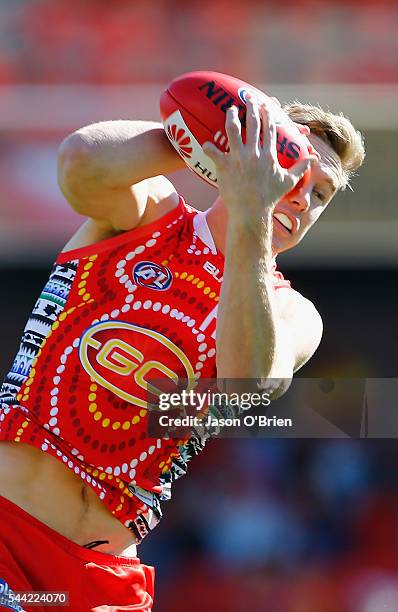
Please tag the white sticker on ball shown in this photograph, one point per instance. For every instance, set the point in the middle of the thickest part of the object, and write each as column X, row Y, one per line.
column 189, row 148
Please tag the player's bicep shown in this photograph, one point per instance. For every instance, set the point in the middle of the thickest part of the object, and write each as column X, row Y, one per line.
column 86, row 187
column 144, row 203
column 122, row 207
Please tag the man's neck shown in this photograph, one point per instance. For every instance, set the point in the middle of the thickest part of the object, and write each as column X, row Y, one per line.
column 217, row 218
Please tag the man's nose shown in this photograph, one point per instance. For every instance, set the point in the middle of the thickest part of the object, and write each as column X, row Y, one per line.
column 300, row 200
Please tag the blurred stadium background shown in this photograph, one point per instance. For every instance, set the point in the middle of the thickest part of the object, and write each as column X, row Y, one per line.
column 264, row 525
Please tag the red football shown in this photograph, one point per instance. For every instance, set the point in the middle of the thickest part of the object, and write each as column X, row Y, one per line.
column 193, row 109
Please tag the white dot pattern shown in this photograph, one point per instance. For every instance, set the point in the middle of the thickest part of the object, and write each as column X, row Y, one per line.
column 116, row 470
column 174, row 222
column 123, row 273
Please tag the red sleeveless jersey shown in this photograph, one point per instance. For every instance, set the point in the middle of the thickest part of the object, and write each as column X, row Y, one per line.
column 112, row 315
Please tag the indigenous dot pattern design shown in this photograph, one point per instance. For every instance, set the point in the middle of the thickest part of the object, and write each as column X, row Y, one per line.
column 77, row 390
column 47, row 309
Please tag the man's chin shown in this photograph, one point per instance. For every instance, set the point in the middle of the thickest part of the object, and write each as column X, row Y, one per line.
column 282, row 240
column 280, row 247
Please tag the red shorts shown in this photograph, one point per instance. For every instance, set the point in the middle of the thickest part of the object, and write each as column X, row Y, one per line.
column 34, row 557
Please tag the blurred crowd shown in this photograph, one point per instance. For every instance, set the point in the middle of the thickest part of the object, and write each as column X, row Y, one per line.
column 97, row 41
column 282, row 526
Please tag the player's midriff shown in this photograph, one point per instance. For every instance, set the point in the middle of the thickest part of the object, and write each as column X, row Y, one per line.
column 53, row 494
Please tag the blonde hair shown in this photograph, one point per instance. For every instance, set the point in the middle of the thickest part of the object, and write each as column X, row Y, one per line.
column 336, row 130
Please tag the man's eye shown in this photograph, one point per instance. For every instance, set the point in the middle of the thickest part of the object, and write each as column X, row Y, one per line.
column 320, row 195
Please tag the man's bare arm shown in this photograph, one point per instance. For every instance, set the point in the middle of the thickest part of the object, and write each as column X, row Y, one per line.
column 104, row 167
column 247, row 318
column 251, row 339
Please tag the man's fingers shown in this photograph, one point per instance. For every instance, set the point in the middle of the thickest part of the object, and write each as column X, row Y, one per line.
column 252, row 125
column 313, row 151
column 233, row 128
column 276, row 101
column 297, row 171
column 303, row 129
column 213, row 152
column 269, row 133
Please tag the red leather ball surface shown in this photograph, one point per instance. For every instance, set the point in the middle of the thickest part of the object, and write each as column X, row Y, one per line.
column 193, row 110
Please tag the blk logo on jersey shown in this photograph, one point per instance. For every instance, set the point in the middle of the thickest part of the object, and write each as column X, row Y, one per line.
column 152, row 275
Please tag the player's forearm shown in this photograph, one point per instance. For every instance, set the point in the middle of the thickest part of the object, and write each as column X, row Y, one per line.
column 117, row 154
column 247, row 333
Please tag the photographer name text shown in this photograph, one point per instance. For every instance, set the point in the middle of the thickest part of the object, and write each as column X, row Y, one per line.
column 210, row 422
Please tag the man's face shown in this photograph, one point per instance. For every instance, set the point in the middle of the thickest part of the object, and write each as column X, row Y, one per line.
column 295, row 214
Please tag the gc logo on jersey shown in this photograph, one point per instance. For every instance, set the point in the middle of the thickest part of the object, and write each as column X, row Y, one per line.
column 124, row 358
column 152, row 275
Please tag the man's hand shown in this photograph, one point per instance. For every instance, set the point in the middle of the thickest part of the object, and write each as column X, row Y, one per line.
column 250, row 178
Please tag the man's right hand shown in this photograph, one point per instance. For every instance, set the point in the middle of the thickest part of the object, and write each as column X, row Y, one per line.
column 250, row 177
